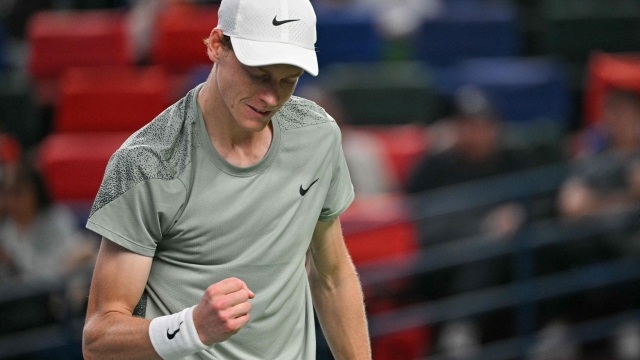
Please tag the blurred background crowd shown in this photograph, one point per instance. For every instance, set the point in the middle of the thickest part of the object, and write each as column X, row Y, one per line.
column 494, row 147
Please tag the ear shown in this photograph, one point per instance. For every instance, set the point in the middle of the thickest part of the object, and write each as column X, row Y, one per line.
column 214, row 44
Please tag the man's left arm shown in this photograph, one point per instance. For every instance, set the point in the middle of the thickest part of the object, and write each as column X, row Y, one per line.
column 336, row 292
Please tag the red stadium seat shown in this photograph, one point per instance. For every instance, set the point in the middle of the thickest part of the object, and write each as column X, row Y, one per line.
column 73, row 164
column 404, row 146
column 387, row 242
column 412, row 344
column 59, row 40
column 10, row 149
column 110, row 99
column 607, row 71
column 180, row 31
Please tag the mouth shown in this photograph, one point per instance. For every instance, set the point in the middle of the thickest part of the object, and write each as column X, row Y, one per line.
column 262, row 113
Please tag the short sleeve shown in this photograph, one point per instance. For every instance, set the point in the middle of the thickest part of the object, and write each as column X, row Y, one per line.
column 136, row 204
column 340, row 194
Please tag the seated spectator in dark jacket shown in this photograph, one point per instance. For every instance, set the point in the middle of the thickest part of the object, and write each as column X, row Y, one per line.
column 607, row 176
column 477, row 153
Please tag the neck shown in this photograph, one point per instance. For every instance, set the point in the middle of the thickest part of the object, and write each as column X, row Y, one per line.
column 240, row 147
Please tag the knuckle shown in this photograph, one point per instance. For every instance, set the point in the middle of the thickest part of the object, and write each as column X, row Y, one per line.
column 230, row 328
column 219, row 304
column 211, row 292
column 224, row 316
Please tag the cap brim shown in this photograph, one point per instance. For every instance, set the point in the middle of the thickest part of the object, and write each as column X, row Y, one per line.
column 262, row 53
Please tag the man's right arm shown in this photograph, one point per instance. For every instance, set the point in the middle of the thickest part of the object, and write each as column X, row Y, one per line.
column 110, row 330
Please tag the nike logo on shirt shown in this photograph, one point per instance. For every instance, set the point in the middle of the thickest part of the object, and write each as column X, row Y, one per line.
column 304, row 191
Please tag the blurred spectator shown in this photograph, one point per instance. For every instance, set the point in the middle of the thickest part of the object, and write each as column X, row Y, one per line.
column 606, row 175
column 605, row 181
column 38, row 239
column 475, row 152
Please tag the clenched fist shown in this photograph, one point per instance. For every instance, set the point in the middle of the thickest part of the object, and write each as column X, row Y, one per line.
column 222, row 311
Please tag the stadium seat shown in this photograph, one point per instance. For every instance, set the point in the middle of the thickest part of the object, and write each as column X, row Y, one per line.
column 390, row 241
column 346, row 34
column 523, row 89
column 468, row 29
column 10, row 149
column 575, row 28
column 59, row 40
column 110, row 99
column 404, row 146
column 412, row 344
column 378, row 93
column 73, row 164
column 606, row 71
column 180, row 31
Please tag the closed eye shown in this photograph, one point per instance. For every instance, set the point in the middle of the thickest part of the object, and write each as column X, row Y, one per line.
column 289, row 82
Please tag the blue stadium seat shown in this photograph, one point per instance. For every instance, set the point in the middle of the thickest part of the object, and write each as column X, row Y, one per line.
column 347, row 34
column 468, row 29
column 523, row 89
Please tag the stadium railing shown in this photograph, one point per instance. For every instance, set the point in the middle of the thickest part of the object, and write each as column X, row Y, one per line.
column 528, row 288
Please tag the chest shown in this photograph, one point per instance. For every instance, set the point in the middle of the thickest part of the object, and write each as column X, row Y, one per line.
column 264, row 218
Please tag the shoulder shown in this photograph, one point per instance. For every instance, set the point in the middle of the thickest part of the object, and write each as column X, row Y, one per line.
column 160, row 150
column 299, row 113
column 162, row 147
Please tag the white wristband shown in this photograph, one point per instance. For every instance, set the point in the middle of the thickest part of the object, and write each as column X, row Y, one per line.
column 175, row 336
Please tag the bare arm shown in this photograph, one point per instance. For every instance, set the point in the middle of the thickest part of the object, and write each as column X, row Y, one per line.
column 110, row 330
column 578, row 200
column 336, row 293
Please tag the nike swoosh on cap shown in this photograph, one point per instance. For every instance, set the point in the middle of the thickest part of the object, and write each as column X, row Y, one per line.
column 278, row 23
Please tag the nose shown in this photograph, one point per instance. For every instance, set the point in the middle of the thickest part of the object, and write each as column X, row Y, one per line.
column 269, row 94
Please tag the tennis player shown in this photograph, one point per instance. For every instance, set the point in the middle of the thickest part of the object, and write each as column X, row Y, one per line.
column 220, row 217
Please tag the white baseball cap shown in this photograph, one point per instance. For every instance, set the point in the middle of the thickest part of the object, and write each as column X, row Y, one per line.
column 268, row 32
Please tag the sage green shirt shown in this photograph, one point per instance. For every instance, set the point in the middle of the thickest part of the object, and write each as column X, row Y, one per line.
column 168, row 194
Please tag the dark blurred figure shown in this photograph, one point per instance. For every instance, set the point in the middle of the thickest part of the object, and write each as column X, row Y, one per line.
column 476, row 153
column 473, row 150
column 38, row 239
column 603, row 185
column 40, row 248
column 606, row 174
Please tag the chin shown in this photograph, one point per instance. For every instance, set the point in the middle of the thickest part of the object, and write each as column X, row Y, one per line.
column 254, row 125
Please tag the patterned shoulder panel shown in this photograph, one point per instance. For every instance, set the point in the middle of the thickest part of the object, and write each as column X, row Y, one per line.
column 298, row 112
column 159, row 150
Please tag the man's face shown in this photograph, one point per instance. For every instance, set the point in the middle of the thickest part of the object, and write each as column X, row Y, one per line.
column 254, row 94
